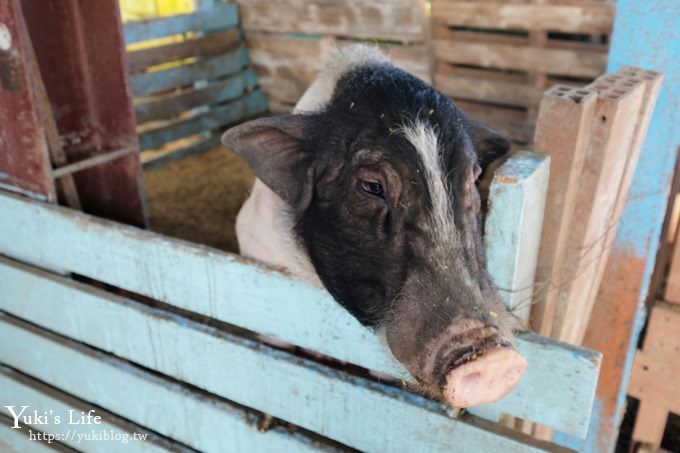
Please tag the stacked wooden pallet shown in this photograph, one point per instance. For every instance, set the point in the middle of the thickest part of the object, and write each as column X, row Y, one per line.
column 497, row 57
column 190, row 89
column 654, row 377
column 288, row 39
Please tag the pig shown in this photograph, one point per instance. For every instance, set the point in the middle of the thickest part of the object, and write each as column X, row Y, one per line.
column 369, row 189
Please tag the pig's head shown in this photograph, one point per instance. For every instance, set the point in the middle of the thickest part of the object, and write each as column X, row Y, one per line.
column 380, row 179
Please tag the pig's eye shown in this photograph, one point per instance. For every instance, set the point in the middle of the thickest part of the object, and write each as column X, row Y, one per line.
column 371, row 187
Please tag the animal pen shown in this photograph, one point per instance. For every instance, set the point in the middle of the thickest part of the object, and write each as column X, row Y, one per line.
column 167, row 338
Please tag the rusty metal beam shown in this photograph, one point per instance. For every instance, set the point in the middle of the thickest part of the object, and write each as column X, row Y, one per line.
column 81, row 53
column 24, row 153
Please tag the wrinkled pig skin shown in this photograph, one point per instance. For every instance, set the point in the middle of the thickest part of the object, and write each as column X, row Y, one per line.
column 368, row 189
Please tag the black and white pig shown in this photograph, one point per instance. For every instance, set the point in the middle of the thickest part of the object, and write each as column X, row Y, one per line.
column 368, row 189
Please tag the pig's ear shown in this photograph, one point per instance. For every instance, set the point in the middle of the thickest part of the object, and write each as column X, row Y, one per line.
column 489, row 144
column 274, row 150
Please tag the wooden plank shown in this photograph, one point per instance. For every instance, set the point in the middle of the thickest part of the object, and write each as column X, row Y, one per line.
column 673, row 283
column 566, row 62
column 146, row 84
column 147, row 399
column 514, row 221
column 654, row 376
column 215, row 93
column 510, row 121
column 287, row 65
column 234, row 290
column 16, row 441
column 395, row 19
column 562, row 130
column 583, row 17
column 334, row 404
column 217, row 118
column 653, row 82
column 488, row 90
column 617, row 111
column 210, row 45
column 221, row 16
column 177, row 154
column 19, row 390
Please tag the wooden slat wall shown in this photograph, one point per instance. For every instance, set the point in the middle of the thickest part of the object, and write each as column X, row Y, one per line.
column 501, row 55
column 189, row 90
column 287, row 39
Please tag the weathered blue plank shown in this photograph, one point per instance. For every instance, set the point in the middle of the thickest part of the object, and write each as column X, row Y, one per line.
column 513, row 227
column 214, row 93
column 153, row 82
column 208, row 19
column 199, row 421
column 18, row 390
column 237, row 291
column 217, row 118
column 646, row 35
column 354, row 411
column 12, row 440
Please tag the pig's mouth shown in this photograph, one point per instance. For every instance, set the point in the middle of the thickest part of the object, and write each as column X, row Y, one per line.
column 465, row 355
column 472, row 364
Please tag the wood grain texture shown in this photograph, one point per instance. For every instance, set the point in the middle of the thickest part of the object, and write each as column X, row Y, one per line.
column 393, row 19
column 673, row 283
column 351, row 410
column 653, row 82
column 566, row 62
column 197, row 420
column 210, row 68
column 217, row 118
column 220, row 16
column 488, row 90
column 286, row 65
column 164, row 107
column 617, row 112
column 513, row 224
column 582, row 17
column 562, row 131
column 236, row 291
column 15, row 441
column 19, row 390
column 210, row 45
column 654, row 378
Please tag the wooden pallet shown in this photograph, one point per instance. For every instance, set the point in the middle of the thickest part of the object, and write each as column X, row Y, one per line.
column 288, row 39
column 654, row 379
column 501, row 55
column 191, row 79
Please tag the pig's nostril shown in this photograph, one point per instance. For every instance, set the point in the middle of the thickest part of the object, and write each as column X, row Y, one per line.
column 485, row 379
column 471, row 379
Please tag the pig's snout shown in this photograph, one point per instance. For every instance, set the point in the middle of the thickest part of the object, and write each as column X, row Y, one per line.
column 467, row 364
column 473, row 364
column 485, row 379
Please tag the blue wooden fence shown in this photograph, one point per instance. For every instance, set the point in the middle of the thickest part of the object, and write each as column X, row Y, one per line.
column 169, row 369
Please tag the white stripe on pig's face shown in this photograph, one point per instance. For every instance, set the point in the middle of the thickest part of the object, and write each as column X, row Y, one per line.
column 380, row 180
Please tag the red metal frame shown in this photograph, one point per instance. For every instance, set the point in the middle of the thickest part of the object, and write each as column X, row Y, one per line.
column 81, row 53
column 24, row 154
